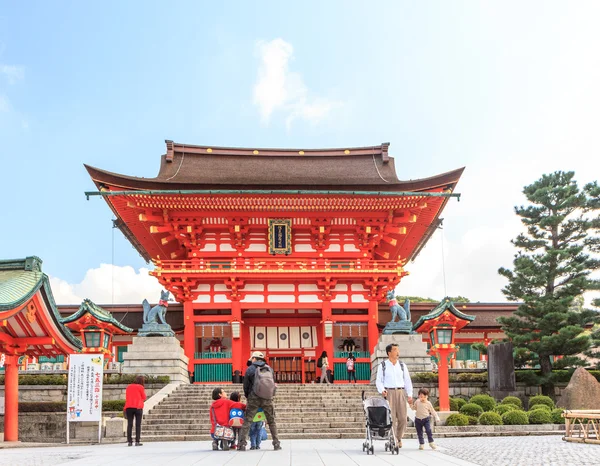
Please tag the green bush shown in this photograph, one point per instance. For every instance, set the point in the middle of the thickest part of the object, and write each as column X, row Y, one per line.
column 479, row 377
column 490, row 418
column 61, row 379
column 540, row 416
column 43, row 407
column 485, row 401
column 515, row 417
column 460, row 402
column 556, row 416
column 513, row 400
column 424, row 377
column 61, row 406
column 501, row 409
column 126, row 379
column 540, row 406
column 541, row 400
column 471, row 409
column 473, row 420
column 457, row 420
column 113, row 405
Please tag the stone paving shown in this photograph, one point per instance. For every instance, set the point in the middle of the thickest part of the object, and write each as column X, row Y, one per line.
column 497, row 451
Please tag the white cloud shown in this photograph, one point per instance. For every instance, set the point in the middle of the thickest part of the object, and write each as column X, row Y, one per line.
column 13, row 73
column 4, row 105
column 108, row 284
column 279, row 89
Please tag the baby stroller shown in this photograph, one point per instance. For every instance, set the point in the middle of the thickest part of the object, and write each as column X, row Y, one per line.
column 378, row 424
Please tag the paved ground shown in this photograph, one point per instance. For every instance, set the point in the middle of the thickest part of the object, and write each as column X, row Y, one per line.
column 497, row 451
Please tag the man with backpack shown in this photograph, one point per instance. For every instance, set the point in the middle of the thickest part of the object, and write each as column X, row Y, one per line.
column 259, row 389
column 394, row 383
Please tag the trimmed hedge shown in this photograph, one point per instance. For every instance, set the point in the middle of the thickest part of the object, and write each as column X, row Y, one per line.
column 485, row 401
column 541, row 400
column 460, row 402
column 61, row 406
column 473, row 420
column 501, row 409
column 61, row 379
column 457, row 420
column 540, row 406
column 513, row 400
column 556, row 416
column 540, row 416
column 471, row 409
column 515, row 417
column 490, row 418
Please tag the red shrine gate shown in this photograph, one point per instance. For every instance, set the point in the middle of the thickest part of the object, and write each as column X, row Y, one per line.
column 283, row 251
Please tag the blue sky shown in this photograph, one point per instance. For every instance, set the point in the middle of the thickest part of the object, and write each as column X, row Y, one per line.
column 509, row 90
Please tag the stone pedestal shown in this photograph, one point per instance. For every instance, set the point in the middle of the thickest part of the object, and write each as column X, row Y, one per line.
column 156, row 356
column 413, row 353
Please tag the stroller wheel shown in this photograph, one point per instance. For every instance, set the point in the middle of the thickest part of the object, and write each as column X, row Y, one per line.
column 372, row 450
column 387, row 446
column 397, row 450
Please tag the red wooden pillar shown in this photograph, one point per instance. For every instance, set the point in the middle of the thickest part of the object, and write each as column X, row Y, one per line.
column 189, row 333
column 327, row 342
column 443, row 382
column 238, row 362
column 372, row 330
column 11, row 401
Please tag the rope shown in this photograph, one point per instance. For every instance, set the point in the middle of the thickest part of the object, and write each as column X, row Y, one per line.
column 377, row 168
column 180, row 164
column 443, row 263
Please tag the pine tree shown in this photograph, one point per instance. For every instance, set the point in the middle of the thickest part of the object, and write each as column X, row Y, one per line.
column 554, row 265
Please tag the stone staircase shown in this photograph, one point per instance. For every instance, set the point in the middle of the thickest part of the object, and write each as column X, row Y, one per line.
column 307, row 411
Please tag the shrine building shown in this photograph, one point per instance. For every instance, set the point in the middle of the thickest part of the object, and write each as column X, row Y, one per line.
column 285, row 251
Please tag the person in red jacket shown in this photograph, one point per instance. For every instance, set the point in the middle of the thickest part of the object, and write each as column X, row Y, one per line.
column 135, row 395
column 219, row 414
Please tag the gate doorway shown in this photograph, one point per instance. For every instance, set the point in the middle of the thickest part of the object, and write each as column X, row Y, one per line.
column 292, row 368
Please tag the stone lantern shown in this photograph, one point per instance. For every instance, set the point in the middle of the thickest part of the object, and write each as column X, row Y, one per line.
column 441, row 324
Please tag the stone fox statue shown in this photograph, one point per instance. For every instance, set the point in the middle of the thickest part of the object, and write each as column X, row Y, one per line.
column 158, row 312
column 402, row 312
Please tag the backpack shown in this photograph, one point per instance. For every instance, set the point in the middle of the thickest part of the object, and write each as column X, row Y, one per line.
column 350, row 364
column 264, row 382
column 236, row 417
column 320, row 363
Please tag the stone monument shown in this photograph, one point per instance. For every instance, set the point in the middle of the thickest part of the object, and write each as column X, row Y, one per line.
column 156, row 351
column 583, row 392
column 501, row 370
column 413, row 350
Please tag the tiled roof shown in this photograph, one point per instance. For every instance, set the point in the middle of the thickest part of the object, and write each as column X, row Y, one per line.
column 19, row 280
column 201, row 167
column 98, row 312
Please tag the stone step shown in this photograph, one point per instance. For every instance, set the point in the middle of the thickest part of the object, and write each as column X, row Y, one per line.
column 191, row 419
column 283, row 430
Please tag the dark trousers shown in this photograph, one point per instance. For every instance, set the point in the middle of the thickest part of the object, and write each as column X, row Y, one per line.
column 252, row 406
column 131, row 413
column 419, row 424
column 351, row 375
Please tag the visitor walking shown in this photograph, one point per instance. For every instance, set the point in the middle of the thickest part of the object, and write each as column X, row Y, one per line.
column 135, row 395
column 394, row 383
column 259, row 389
column 323, row 364
column 351, row 367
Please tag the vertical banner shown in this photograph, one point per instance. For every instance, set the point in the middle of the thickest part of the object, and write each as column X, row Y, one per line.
column 84, row 393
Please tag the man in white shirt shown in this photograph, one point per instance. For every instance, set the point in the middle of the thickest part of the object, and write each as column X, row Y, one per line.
column 393, row 382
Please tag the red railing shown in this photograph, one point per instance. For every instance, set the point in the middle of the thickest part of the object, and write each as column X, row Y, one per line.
column 275, row 264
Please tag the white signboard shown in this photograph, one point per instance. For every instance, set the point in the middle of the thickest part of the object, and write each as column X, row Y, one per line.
column 84, row 401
